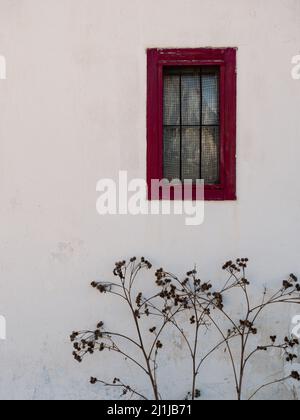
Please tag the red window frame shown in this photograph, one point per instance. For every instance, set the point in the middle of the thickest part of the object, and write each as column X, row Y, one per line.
column 225, row 59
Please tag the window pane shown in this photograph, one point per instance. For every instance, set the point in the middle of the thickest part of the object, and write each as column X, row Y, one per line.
column 191, row 153
column 172, row 100
column 210, row 155
column 210, row 99
column 191, row 134
column 172, row 153
column 191, row 100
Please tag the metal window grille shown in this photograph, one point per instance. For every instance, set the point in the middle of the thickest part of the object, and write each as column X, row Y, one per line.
column 192, row 124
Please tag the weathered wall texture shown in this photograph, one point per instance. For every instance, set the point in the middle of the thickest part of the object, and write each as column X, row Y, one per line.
column 73, row 111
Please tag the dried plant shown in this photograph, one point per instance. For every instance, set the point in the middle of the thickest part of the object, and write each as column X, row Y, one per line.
column 206, row 310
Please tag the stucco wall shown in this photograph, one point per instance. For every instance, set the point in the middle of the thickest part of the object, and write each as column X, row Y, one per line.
column 73, row 110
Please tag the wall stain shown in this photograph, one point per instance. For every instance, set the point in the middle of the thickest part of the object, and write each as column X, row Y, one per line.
column 66, row 250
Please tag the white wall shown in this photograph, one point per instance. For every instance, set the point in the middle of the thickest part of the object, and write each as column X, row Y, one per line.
column 73, row 111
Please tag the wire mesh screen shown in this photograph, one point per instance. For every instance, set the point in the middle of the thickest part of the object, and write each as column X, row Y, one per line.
column 191, row 124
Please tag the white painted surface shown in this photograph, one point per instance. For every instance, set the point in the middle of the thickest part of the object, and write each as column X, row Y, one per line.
column 73, row 111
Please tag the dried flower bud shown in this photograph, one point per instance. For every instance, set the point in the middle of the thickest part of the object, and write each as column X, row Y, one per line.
column 294, row 278
column 197, row 393
column 287, row 284
column 139, row 299
column 295, row 375
column 159, row 345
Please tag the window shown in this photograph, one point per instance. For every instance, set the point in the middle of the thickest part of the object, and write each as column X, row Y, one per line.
column 192, row 118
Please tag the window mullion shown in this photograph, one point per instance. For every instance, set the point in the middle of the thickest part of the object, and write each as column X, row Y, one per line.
column 201, row 123
column 180, row 108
